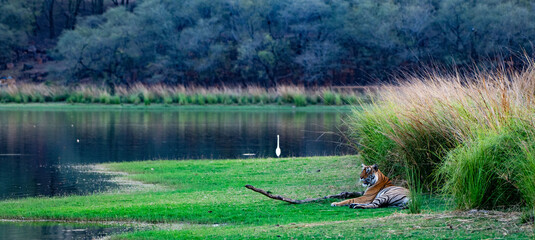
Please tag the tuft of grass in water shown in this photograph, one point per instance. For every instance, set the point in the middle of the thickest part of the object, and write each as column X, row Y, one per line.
column 350, row 99
column 61, row 97
column 332, row 98
column 180, row 98
column 17, row 98
column 224, row 99
column 134, row 99
column 211, row 98
column 105, row 98
column 199, row 99
column 191, row 99
column 37, row 98
column 265, row 99
column 300, row 100
column 287, row 98
column 337, row 99
column 25, row 98
column 146, row 100
column 115, row 100
column 312, row 99
column 167, row 100
column 329, row 98
column 242, row 100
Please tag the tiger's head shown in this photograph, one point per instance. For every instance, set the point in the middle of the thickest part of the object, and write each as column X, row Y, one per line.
column 369, row 175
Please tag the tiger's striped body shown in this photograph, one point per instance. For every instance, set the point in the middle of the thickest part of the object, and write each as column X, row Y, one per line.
column 380, row 191
column 388, row 197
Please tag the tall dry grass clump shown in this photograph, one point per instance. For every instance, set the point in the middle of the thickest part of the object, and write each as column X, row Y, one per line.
column 25, row 93
column 460, row 132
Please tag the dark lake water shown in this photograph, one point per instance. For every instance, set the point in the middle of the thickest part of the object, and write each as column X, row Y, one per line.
column 40, row 150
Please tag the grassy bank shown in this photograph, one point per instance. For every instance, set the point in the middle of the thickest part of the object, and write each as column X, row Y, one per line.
column 207, row 192
column 180, row 95
column 166, row 107
column 469, row 136
column 209, row 198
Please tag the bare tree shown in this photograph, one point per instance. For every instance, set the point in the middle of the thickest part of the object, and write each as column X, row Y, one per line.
column 49, row 10
column 97, row 6
column 123, row 2
column 71, row 13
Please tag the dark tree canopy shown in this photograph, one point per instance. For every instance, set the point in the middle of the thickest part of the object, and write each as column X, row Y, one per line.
column 15, row 23
column 267, row 42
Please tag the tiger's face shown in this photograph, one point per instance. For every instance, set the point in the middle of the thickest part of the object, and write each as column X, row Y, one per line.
column 368, row 176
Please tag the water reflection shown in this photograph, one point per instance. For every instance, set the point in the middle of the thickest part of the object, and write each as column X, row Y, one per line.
column 37, row 147
column 56, row 231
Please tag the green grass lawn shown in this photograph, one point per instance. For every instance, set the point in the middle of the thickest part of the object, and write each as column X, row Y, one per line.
column 209, row 197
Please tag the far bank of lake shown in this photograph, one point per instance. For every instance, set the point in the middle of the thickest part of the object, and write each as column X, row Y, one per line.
column 180, row 95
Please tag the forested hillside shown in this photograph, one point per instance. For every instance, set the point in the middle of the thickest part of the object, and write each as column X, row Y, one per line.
column 261, row 42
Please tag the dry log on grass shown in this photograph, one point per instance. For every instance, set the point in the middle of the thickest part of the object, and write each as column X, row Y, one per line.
column 342, row 195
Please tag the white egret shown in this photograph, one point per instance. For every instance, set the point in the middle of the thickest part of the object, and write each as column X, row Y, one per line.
column 278, row 150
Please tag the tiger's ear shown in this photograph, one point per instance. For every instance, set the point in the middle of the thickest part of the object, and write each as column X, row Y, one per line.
column 375, row 167
column 363, row 166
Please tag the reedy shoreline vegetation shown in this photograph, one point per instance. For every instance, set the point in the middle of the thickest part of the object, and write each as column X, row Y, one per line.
column 468, row 136
column 181, row 95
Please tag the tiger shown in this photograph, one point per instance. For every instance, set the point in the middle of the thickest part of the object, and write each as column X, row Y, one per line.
column 380, row 192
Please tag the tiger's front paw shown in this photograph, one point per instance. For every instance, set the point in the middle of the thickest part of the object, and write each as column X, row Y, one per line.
column 335, row 204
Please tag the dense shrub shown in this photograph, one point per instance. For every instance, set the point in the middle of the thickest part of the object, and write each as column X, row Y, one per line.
column 481, row 173
column 469, row 136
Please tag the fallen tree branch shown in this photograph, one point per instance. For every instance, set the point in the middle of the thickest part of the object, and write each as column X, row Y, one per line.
column 293, row 201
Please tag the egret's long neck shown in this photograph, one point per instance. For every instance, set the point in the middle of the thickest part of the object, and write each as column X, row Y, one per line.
column 277, row 140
